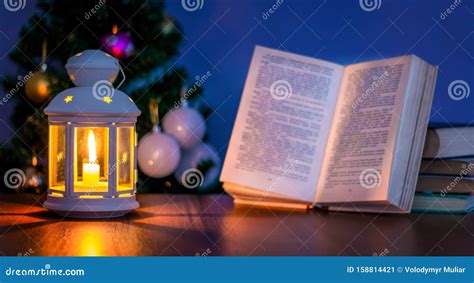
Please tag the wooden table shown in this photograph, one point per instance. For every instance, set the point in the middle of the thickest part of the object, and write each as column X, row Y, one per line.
column 211, row 224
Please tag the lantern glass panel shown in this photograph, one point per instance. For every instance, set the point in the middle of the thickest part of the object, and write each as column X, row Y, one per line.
column 125, row 152
column 57, row 157
column 91, row 156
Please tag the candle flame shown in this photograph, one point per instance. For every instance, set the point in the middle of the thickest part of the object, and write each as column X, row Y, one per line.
column 91, row 145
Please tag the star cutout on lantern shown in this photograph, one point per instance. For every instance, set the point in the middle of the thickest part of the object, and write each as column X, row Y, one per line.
column 68, row 98
column 107, row 100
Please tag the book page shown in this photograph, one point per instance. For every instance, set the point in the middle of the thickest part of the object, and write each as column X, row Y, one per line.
column 362, row 140
column 282, row 125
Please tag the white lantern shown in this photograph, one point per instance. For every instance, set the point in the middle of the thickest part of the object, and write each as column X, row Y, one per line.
column 92, row 142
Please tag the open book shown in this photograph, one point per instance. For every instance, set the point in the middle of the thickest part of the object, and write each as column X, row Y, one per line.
column 310, row 132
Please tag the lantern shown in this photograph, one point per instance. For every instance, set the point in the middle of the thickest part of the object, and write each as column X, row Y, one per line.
column 92, row 142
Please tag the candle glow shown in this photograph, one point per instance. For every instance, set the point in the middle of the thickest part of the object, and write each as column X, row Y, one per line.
column 91, row 170
column 91, row 147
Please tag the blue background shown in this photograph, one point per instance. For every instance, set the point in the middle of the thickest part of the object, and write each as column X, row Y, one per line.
column 220, row 38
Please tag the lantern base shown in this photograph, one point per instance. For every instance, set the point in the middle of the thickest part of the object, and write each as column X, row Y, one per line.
column 91, row 207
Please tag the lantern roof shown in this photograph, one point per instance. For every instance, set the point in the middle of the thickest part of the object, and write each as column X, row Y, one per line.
column 92, row 59
column 93, row 72
column 84, row 101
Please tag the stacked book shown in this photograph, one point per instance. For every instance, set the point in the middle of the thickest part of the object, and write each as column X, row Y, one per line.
column 446, row 179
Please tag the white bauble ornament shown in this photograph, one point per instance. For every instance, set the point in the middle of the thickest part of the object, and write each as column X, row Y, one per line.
column 158, row 154
column 186, row 125
column 199, row 168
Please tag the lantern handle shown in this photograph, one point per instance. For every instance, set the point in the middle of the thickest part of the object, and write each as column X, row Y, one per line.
column 123, row 75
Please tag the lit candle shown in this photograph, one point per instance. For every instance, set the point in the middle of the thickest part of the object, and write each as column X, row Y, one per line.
column 91, row 170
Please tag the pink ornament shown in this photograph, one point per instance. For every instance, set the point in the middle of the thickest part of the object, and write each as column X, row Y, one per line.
column 118, row 44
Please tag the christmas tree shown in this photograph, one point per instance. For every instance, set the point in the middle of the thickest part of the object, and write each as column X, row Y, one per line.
column 140, row 34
